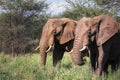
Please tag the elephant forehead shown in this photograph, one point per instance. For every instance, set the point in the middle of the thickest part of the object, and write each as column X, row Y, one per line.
column 85, row 18
column 83, row 24
column 86, row 21
column 66, row 19
column 49, row 23
column 52, row 20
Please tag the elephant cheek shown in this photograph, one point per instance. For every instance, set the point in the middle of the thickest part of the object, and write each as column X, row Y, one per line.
column 51, row 41
column 85, row 40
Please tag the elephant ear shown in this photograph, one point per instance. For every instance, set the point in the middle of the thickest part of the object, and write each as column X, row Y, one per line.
column 107, row 28
column 68, row 32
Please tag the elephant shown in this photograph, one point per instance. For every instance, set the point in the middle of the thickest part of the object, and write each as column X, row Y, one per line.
column 101, row 36
column 59, row 32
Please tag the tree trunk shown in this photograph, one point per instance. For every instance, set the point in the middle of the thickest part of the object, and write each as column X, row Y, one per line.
column 3, row 47
column 13, row 54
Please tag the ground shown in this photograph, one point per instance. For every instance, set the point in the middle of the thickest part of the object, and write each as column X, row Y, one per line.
column 27, row 68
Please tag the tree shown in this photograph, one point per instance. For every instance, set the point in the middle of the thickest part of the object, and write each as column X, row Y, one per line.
column 110, row 6
column 76, row 9
column 20, row 22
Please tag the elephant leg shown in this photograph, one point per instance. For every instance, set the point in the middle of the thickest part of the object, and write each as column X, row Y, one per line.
column 115, row 65
column 93, row 61
column 57, row 55
column 105, row 69
column 100, row 60
column 93, row 56
column 103, row 57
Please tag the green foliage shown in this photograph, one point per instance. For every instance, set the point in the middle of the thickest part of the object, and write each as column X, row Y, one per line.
column 20, row 24
column 20, row 68
column 109, row 5
column 76, row 9
column 27, row 68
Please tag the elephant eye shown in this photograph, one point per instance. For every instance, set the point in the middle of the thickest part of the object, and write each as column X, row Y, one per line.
column 89, row 32
column 54, row 31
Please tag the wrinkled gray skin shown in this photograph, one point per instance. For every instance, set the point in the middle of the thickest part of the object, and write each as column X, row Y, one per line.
column 76, row 54
column 101, row 36
column 60, row 33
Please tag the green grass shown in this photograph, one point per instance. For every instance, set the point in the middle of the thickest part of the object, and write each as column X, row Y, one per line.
column 27, row 68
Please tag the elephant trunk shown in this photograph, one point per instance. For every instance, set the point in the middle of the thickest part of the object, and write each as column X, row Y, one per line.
column 76, row 55
column 44, row 49
column 45, row 46
column 43, row 54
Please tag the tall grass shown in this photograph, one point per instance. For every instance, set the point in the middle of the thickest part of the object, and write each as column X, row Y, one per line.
column 27, row 68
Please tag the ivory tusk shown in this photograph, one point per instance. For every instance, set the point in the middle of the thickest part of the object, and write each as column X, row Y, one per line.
column 71, row 51
column 84, row 47
column 37, row 48
column 48, row 49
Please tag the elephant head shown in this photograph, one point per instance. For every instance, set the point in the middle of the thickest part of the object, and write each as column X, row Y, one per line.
column 60, row 30
column 98, row 29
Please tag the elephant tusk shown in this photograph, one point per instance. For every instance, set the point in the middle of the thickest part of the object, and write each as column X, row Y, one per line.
column 84, row 47
column 48, row 49
column 71, row 51
column 37, row 48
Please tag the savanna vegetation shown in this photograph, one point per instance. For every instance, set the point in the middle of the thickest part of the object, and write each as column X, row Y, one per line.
column 27, row 68
column 21, row 23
